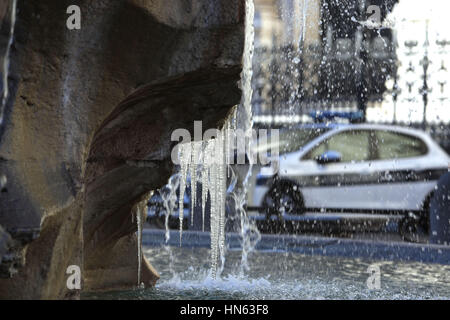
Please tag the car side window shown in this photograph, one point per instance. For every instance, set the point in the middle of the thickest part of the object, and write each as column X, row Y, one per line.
column 392, row 145
column 316, row 151
column 352, row 145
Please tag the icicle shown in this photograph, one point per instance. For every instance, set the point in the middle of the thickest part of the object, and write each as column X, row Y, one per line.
column 6, row 61
column 185, row 159
column 213, row 213
column 228, row 146
column 223, row 193
column 216, row 167
column 205, row 178
column 196, row 150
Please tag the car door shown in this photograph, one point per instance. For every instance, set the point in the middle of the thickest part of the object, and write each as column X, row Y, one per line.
column 346, row 184
column 403, row 178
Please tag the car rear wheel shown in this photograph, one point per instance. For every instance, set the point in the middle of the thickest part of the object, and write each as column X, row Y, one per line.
column 283, row 198
column 412, row 230
column 416, row 228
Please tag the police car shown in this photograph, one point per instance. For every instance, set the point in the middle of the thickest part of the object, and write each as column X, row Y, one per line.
column 362, row 168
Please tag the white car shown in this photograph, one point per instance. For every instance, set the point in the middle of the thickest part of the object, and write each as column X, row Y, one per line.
column 372, row 169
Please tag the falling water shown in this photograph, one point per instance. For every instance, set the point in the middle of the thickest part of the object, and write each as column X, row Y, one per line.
column 304, row 17
column 206, row 162
column 244, row 112
column 244, row 121
column 6, row 61
column 169, row 197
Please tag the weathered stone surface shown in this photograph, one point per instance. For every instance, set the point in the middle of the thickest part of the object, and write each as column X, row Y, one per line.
column 5, row 240
column 87, row 127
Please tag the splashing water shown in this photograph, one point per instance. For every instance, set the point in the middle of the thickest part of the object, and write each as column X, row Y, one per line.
column 272, row 276
column 388, row 23
column 6, row 61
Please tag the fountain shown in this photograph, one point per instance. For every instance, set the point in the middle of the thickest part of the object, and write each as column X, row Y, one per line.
column 86, row 136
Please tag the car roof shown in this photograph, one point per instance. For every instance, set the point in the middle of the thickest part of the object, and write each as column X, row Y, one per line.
column 313, row 126
column 334, row 127
column 384, row 127
column 330, row 127
column 348, row 126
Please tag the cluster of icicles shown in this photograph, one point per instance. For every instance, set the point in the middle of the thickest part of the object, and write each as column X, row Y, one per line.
column 205, row 162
